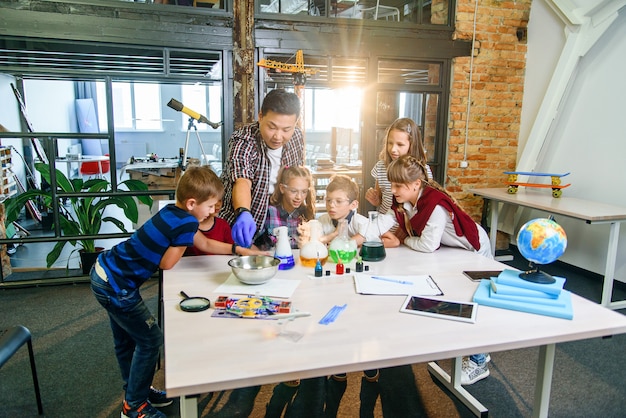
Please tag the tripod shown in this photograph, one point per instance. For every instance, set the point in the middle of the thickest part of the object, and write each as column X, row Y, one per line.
column 192, row 124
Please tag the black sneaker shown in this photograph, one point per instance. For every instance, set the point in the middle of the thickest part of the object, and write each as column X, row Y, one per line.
column 158, row 398
column 145, row 410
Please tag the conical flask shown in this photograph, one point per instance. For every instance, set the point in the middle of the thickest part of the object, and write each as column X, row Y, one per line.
column 373, row 248
column 342, row 247
column 313, row 250
column 283, row 248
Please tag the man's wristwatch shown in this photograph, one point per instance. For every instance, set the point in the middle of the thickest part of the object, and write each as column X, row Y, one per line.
column 234, row 249
column 240, row 210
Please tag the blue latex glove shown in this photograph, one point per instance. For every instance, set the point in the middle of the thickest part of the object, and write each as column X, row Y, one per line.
column 243, row 229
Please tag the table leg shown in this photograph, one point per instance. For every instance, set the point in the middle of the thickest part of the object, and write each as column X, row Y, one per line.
column 453, row 384
column 493, row 229
column 188, row 407
column 543, row 383
column 609, row 272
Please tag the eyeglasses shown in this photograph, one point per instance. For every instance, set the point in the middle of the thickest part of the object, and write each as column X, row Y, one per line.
column 336, row 202
column 293, row 191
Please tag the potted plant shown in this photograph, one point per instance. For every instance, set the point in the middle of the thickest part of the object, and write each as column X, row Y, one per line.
column 85, row 215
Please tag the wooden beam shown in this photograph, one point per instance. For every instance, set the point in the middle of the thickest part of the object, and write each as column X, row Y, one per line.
column 243, row 63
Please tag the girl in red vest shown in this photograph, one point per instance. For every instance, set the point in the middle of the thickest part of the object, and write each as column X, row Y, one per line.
column 427, row 215
column 428, row 218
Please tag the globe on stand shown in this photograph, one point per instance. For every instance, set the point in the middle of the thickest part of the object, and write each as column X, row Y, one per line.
column 540, row 241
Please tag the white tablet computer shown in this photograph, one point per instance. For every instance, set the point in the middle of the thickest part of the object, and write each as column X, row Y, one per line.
column 437, row 308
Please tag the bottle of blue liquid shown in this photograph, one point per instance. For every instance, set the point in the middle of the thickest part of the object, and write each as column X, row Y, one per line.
column 283, row 248
column 318, row 268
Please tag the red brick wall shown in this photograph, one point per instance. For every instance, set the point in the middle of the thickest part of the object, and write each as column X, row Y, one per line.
column 496, row 98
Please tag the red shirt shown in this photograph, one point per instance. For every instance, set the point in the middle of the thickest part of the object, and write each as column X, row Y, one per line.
column 220, row 231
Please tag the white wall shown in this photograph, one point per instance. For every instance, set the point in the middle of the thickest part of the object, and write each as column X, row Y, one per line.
column 546, row 39
column 51, row 108
column 588, row 136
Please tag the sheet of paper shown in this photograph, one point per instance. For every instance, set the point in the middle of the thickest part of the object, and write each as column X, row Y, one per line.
column 278, row 288
column 423, row 285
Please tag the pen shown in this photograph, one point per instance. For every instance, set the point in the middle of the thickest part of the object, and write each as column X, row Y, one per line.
column 290, row 315
column 387, row 279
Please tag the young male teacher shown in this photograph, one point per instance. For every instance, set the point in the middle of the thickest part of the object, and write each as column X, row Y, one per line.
column 255, row 153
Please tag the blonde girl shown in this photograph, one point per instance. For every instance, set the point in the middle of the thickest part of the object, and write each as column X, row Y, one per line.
column 291, row 204
column 403, row 137
column 427, row 215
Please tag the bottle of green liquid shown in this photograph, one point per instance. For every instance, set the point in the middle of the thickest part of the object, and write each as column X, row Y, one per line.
column 342, row 248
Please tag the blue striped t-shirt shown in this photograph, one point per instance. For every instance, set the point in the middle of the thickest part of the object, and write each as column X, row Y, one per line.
column 130, row 263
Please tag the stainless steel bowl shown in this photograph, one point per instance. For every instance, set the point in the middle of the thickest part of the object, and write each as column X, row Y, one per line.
column 254, row 269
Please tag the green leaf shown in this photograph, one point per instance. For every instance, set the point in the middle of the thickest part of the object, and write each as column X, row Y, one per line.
column 138, row 185
column 13, row 206
column 86, row 214
column 115, row 221
column 54, row 255
column 62, row 181
column 89, row 245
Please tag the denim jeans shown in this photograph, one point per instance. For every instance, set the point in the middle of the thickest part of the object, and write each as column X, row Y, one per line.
column 479, row 359
column 136, row 335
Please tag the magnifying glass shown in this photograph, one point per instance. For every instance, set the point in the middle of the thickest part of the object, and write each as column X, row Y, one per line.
column 194, row 304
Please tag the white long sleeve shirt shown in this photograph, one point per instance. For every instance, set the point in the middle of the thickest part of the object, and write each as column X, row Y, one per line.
column 439, row 230
column 360, row 224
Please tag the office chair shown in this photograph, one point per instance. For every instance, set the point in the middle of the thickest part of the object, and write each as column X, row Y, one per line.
column 11, row 340
column 95, row 168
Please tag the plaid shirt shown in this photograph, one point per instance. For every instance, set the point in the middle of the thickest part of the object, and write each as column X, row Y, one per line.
column 247, row 158
column 277, row 216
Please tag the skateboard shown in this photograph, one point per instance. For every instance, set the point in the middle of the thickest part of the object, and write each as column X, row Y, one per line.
column 555, row 184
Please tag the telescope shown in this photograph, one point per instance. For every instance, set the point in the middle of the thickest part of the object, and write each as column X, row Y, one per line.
column 176, row 105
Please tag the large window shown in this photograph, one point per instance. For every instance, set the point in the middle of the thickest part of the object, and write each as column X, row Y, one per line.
column 328, row 108
column 200, row 4
column 413, row 89
column 206, row 100
column 345, row 119
column 137, row 106
column 425, row 12
column 423, row 108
